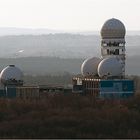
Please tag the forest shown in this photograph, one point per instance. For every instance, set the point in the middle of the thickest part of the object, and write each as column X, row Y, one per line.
column 70, row 115
column 53, row 60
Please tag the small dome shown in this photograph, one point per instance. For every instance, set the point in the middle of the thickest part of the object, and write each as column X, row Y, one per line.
column 113, row 28
column 110, row 67
column 11, row 73
column 89, row 66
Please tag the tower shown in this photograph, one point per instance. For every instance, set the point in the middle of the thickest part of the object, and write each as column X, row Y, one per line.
column 113, row 41
column 105, row 77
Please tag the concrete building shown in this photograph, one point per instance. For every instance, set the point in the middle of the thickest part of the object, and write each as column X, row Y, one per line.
column 104, row 77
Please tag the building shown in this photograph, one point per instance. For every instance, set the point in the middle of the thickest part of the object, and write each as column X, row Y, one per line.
column 11, row 86
column 103, row 88
column 104, row 77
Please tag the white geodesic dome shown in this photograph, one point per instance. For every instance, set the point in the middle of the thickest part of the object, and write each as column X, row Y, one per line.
column 110, row 67
column 89, row 66
column 11, row 73
column 113, row 28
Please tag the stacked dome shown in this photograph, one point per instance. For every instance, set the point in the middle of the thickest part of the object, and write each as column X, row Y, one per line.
column 110, row 67
column 89, row 66
column 113, row 60
column 113, row 28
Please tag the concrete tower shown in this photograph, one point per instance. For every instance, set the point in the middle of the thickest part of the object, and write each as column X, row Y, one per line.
column 105, row 77
column 113, row 41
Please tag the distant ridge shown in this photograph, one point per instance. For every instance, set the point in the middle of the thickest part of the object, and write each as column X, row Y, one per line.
column 26, row 31
column 4, row 31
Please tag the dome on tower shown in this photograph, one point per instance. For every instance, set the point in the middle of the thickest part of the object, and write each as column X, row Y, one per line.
column 89, row 66
column 113, row 28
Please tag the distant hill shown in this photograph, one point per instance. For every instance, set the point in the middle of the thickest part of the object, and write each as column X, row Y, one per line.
column 59, row 53
column 44, row 65
column 60, row 66
column 26, row 31
column 4, row 31
column 54, row 45
column 59, row 45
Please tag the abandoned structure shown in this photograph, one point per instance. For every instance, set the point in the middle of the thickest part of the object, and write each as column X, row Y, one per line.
column 104, row 77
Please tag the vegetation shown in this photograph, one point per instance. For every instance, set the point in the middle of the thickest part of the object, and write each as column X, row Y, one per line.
column 65, row 116
column 64, row 79
column 57, row 66
column 70, row 116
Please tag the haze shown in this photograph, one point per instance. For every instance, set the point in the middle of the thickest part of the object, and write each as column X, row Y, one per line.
column 68, row 14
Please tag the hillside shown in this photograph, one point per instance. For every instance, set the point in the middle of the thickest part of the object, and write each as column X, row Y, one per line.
column 59, row 45
column 58, row 66
column 59, row 53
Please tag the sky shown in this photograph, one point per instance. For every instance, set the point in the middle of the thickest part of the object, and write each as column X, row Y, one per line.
column 80, row 15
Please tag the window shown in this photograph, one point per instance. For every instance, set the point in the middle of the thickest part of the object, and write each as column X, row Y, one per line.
column 108, row 51
column 116, row 52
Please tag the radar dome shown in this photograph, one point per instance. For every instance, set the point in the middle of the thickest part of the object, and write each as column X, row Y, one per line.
column 11, row 73
column 110, row 67
column 113, row 28
column 89, row 66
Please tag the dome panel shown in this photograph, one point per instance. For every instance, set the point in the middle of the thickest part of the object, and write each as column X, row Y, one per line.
column 110, row 67
column 11, row 73
column 89, row 66
column 113, row 28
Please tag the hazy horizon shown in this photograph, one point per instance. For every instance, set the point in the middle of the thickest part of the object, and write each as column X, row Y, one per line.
column 68, row 14
column 38, row 31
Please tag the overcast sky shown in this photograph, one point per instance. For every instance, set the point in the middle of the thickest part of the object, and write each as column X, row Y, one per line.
column 68, row 14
